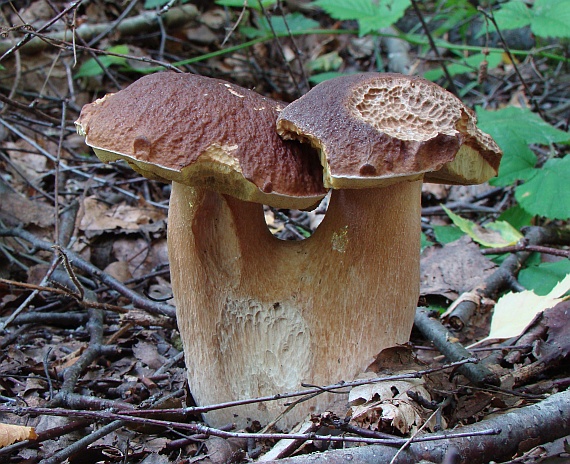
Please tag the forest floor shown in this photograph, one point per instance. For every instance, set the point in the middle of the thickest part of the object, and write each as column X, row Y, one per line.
column 92, row 368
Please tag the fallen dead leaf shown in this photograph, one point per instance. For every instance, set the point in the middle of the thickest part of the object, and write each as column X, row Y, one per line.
column 17, row 210
column 12, row 433
column 514, row 312
column 147, row 353
column 557, row 344
column 386, row 405
column 25, row 162
column 119, row 270
column 455, row 268
column 142, row 255
column 98, row 217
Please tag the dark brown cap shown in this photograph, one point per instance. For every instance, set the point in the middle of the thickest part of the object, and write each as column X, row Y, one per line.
column 373, row 129
column 203, row 132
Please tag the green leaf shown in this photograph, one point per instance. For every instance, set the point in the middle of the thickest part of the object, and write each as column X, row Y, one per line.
column 514, row 129
column 516, row 217
column 495, row 234
column 248, row 3
column 544, row 277
column 325, row 76
column 343, row 10
column 547, row 193
column 454, row 14
column 325, row 63
column 551, row 18
column 447, row 234
column 293, row 22
column 150, row 4
column 517, row 164
column 93, row 68
column 371, row 15
column 425, row 242
column 513, row 14
column 521, row 124
column 470, row 64
column 547, row 18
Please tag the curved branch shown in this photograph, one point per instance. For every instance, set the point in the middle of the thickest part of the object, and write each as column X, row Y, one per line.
column 77, row 261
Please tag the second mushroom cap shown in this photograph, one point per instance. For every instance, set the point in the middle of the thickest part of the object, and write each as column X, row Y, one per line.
column 374, row 128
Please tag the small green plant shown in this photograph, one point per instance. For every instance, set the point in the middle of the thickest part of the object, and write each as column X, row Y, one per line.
column 546, row 18
column 255, row 4
column 545, row 189
column 93, row 67
column 370, row 15
column 279, row 25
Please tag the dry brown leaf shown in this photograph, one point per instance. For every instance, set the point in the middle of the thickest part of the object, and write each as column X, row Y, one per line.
column 98, row 217
column 455, row 268
column 386, row 404
column 18, row 210
column 12, row 433
column 148, row 354
column 142, row 255
column 119, row 270
column 25, row 161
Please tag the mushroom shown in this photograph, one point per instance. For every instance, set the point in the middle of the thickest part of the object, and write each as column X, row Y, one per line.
column 259, row 316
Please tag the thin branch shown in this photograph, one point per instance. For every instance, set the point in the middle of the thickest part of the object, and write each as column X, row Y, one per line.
column 199, row 428
column 78, row 262
column 531, row 425
column 33, row 42
column 306, row 392
column 436, row 332
column 434, row 48
column 507, row 272
column 522, row 246
column 489, row 15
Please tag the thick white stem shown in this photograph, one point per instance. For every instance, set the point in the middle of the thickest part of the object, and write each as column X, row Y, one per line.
column 259, row 316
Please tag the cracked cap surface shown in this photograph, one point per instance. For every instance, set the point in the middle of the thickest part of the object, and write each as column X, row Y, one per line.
column 373, row 129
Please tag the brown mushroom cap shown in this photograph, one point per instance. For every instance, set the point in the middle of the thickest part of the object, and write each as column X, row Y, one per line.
column 373, row 129
column 203, row 132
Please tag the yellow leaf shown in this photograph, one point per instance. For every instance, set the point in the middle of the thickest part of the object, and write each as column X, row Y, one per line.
column 12, row 433
column 514, row 312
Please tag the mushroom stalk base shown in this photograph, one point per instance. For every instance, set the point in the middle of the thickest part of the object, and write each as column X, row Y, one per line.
column 259, row 316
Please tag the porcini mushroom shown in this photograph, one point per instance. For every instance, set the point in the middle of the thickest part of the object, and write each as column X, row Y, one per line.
column 259, row 316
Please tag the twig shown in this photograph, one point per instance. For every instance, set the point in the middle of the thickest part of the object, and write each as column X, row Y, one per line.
column 58, row 291
column 82, row 443
column 433, row 46
column 30, row 297
column 507, row 271
column 309, row 391
column 199, row 428
column 93, row 351
column 113, row 25
column 139, row 301
column 523, row 246
column 280, row 48
column 64, row 166
column 46, row 26
column 136, row 25
column 435, row 331
column 531, row 425
column 49, row 434
column 489, row 15
column 65, row 320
